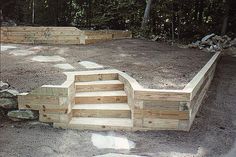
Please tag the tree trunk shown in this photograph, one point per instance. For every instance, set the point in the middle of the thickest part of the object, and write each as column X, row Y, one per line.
column 146, row 14
column 33, row 12
column 226, row 17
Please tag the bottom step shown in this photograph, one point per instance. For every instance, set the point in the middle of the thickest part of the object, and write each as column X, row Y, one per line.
column 82, row 123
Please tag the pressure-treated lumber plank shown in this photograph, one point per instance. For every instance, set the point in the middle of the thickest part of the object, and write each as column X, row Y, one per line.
column 35, row 102
column 101, row 97
column 194, row 85
column 199, row 96
column 106, row 85
column 160, row 123
column 116, row 110
column 168, row 95
column 59, row 118
column 96, row 77
column 100, row 123
column 164, row 114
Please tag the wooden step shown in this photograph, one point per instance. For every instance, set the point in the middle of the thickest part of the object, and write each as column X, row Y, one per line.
column 96, row 77
column 107, row 85
column 100, row 123
column 110, row 110
column 100, row 97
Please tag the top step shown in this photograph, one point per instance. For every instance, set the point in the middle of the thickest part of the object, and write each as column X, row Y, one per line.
column 104, row 85
column 96, row 77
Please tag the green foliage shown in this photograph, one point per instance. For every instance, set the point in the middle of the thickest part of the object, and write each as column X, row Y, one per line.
column 190, row 19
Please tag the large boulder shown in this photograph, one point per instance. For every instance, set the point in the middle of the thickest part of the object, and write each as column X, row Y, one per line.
column 8, row 103
column 8, row 99
column 17, row 115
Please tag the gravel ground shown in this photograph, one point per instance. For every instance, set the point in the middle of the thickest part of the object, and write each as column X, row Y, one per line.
column 213, row 133
column 152, row 64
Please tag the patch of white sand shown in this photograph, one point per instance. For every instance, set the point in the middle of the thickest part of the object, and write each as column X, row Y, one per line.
column 21, row 52
column 48, row 58
column 90, row 65
column 117, row 155
column 64, row 66
column 7, row 47
column 112, row 142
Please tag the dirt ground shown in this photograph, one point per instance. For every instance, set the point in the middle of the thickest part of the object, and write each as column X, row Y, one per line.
column 213, row 133
column 152, row 64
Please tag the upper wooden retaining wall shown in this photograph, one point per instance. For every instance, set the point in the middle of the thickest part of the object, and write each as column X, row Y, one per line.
column 58, row 35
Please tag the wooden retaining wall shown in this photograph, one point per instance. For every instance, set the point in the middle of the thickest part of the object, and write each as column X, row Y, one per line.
column 151, row 109
column 58, row 35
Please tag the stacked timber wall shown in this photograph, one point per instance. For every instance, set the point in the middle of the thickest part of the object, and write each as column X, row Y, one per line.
column 59, row 35
column 151, row 109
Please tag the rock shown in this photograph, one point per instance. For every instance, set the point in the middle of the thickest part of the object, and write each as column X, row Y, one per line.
column 207, row 37
column 8, row 103
column 8, row 93
column 3, row 85
column 155, row 38
column 233, row 42
column 22, row 114
column 194, row 45
column 9, row 23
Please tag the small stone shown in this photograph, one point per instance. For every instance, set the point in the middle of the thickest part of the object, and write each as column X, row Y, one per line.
column 8, row 103
column 233, row 42
column 3, row 85
column 23, row 114
column 207, row 37
column 6, row 94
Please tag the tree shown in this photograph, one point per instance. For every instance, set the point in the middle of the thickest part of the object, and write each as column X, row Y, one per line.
column 146, row 14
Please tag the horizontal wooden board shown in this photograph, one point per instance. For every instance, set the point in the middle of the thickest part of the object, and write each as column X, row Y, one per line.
column 100, row 123
column 164, row 114
column 104, row 85
column 101, row 97
column 168, row 95
column 160, row 123
column 96, row 77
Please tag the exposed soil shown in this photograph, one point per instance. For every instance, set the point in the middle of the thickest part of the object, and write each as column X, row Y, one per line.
column 213, row 133
column 152, row 64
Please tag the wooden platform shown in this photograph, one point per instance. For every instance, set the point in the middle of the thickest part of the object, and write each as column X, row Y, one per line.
column 58, row 35
column 112, row 100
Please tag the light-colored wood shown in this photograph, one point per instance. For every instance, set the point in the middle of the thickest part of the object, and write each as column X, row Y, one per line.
column 107, row 85
column 168, row 95
column 164, row 114
column 100, row 123
column 101, row 97
column 59, row 35
column 107, row 106
column 58, row 118
column 117, row 110
column 146, row 109
column 96, row 77
column 160, row 123
column 194, row 85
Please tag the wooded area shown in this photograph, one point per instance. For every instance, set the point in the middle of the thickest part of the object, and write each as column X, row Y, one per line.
column 178, row 19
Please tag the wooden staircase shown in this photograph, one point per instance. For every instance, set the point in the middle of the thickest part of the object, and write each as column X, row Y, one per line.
column 100, row 103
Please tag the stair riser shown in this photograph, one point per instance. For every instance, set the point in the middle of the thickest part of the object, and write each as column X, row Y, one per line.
column 98, row 128
column 102, row 113
column 100, row 87
column 100, row 99
column 95, row 77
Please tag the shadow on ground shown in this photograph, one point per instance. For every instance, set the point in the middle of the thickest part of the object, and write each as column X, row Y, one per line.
column 212, row 134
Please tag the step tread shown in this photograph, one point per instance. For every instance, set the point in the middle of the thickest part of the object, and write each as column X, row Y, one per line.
column 124, row 122
column 100, row 93
column 99, row 82
column 107, row 106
